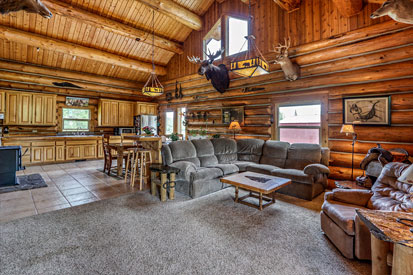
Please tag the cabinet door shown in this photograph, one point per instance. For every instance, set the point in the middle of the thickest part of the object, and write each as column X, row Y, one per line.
column 60, row 153
column 104, row 113
column 74, row 152
column 153, row 109
column 2, row 102
column 100, row 150
column 25, row 109
column 143, row 109
column 12, row 110
column 49, row 154
column 114, row 114
column 49, row 110
column 126, row 114
column 38, row 110
column 89, row 151
column 37, row 154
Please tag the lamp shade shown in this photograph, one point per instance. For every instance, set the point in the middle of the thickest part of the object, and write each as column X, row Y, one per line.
column 234, row 126
column 250, row 67
column 347, row 129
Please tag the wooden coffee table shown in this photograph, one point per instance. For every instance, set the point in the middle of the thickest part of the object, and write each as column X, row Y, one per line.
column 256, row 183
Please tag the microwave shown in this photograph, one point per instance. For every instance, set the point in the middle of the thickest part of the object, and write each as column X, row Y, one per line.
column 120, row 131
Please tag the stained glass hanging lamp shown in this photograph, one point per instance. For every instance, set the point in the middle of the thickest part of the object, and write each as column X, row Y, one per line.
column 153, row 86
column 254, row 63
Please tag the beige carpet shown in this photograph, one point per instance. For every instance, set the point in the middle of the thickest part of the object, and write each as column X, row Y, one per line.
column 137, row 234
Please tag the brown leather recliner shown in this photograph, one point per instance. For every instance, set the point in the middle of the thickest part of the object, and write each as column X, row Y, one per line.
column 340, row 222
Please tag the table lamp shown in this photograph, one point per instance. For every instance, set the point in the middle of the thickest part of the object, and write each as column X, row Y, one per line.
column 349, row 129
column 234, row 126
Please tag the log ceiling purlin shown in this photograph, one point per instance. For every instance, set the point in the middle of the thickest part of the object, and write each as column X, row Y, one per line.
column 110, row 39
column 340, row 55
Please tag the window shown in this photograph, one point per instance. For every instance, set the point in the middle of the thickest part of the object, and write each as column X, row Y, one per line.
column 301, row 123
column 181, row 119
column 76, row 119
column 212, row 41
column 236, row 32
column 169, row 123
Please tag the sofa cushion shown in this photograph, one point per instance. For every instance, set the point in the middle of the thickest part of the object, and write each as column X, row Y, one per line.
column 227, row 168
column 261, row 168
column 250, row 149
column 225, row 150
column 205, row 152
column 184, row 150
column 185, row 169
column 242, row 165
column 274, row 153
column 166, row 155
column 206, row 174
column 342, row 214
column 302, row 154
column 294, row 175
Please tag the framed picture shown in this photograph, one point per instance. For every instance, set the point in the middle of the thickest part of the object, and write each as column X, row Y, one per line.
column 373, row 110
column 232, row 113
column 77, row 101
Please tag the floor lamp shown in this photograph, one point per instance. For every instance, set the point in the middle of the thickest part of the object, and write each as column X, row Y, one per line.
column 349, row 129
column 234, row 126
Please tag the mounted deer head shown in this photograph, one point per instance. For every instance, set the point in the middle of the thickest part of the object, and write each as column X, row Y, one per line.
column 217, row 74
column 291, row 70
column 398, row 10
column 32, row 6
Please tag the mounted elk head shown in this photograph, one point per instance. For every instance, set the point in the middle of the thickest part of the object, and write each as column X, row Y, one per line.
column 32, row 6
column 290, row 69
column 217, row 74
column 398, row 10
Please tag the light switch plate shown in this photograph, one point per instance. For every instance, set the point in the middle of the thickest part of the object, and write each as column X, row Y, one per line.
column 1, row 116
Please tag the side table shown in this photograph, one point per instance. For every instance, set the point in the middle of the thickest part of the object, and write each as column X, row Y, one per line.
column 347, row 184
column 164, row 177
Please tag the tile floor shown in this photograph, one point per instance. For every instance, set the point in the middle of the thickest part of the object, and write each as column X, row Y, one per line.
column 69, row 184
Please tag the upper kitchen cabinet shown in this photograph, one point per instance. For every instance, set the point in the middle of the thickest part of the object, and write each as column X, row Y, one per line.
column 30, row 109
column 115, row 113
column 143, row 108
column 2, row 102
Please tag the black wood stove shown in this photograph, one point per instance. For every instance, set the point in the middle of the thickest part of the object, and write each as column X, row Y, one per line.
column 10, row 162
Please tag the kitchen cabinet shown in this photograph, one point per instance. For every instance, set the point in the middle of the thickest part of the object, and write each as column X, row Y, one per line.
column 30, row 109
column 60, row 152
column 101, row 154
column 49, row 154
column 115, row 113
column 73, row 152
column 37, row 155
column 143, row 108
column 2, row 102
column 79, row 149
column 89, row 151
column 43, row 151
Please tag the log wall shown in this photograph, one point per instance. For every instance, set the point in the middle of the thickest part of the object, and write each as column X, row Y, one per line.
column 342, row 57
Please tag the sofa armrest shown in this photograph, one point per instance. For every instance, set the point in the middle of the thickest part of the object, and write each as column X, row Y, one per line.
column 186, row 168
column 315, row 169
column 351, row 196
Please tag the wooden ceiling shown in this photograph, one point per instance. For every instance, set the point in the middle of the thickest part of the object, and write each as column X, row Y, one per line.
column 99, row 36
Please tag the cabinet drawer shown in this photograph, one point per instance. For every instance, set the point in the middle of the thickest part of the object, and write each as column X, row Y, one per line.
column 81, row 142
column 43, row 143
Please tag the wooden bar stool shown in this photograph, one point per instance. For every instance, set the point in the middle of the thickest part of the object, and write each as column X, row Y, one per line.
column 137, row 164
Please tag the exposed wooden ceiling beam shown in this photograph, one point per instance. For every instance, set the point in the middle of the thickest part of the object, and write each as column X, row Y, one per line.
column 36, row 40
column 289, row 5
column 374, row 1
column 66, row 75
column 109, row 25
column 175, row 11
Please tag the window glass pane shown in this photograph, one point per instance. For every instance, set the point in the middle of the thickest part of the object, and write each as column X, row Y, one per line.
column 300, row 135
column 237, row 30
column 169, row 125
column 75, row 125
column 76, row 113
column 307, row 115
column 213, row 46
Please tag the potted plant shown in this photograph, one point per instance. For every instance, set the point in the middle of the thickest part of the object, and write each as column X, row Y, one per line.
column 148, row 130
column 174, row 137
column 216, row 136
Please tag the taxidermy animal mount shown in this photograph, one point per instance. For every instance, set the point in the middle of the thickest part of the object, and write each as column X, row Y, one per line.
column 217, row 74
column 32, row 6
column 291, row 70
column 398, row 10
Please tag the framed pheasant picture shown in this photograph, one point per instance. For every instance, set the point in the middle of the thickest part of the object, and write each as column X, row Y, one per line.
column 373, row 110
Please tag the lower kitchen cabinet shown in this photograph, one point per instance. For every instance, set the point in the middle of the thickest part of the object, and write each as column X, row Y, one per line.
column 73, row 152
column 60, row 152
column 49, row 154
column 37, row 155
column 89, row 151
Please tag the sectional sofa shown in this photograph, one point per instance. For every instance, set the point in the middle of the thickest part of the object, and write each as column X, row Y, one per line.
column 203, row 162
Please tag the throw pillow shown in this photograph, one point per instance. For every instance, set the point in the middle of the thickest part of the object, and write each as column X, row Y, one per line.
column 407, row 175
